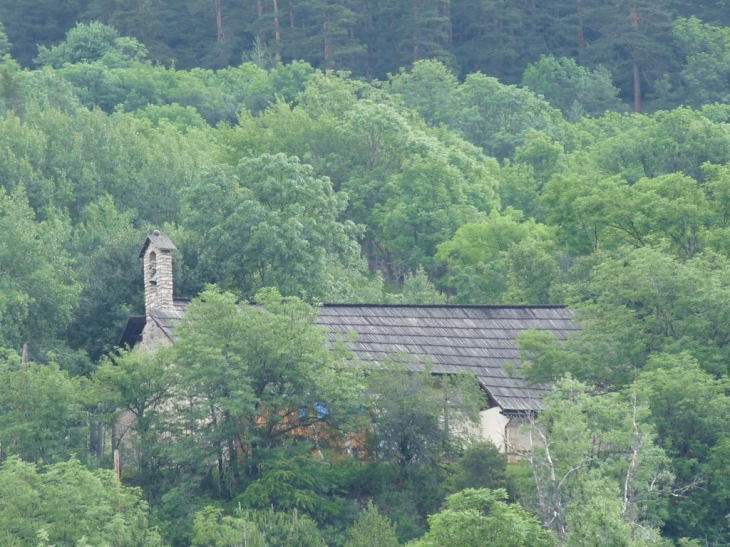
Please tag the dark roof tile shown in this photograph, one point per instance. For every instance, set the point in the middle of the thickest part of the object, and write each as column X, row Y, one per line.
column 160, row 241
column 473, row 339
column 453, row 339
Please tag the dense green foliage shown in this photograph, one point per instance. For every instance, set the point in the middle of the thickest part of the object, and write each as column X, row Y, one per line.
column 68, row 505
column 663, row 51
column 486, row 165
column 480, row 518
column 372, row 530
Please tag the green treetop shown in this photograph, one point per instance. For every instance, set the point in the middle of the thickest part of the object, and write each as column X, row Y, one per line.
column 87, row 43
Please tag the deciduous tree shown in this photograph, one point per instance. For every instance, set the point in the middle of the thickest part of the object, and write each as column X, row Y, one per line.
column 269, row 222
column 372, row 530
column 66, row 504
column 482, row 518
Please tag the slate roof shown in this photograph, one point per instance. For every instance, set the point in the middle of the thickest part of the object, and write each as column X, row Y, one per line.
column 165, row 319
column 160, row 241
column 132, row 332
column 452, row 339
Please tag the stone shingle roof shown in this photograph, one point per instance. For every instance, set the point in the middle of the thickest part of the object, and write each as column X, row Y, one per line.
column 160, row 241
column 452, row 339
column 166, row 319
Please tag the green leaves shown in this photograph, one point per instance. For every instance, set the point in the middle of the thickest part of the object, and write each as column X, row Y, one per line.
column 248, row 380
column 702, row 78
column 489, row 114
column 41, row 417
column 212, row 529
column 481, row 518
column 90, row 43
column 598, row 472
column 4, row 42
column 691, row 414
column 38, row 290
column 574, row 89
column 502, row 259
column 70, row 505
column 372, row 530
column 254, row 529
column 481, row 465
column 426, row 207
column 321, row 186
column 270, row 222
column 417, row 418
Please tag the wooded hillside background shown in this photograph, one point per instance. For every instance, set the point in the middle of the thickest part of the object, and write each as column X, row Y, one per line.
column 405, row 152
column 649, row 56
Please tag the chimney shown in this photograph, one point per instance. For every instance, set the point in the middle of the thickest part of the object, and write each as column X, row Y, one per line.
column 157, row 254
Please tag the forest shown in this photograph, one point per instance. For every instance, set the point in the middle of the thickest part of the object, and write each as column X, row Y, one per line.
column 297, row 152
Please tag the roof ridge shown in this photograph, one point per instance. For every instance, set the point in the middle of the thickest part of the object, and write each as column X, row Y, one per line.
column 451, row 306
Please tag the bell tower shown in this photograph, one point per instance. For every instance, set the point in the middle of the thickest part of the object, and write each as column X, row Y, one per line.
column 157, row 255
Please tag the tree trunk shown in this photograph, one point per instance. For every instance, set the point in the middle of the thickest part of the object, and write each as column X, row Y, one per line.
column 259, row 22
column 496, row 24
column 94, row 441
column 637, row 82
column 115, row 435
column 277, row 31
column 461, row 27
column 637, row 72
column 328, row 57
column 449, row 24
column 96, row 437
column 581, row 33
column 369, row 71
column 416, row 50
column 219, row 20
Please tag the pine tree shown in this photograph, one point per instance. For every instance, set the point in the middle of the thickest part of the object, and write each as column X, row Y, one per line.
column 32, row 22
column 323, row 32
column 631, row 40
column 4, row 42
column 405, row 31
column 490, row 36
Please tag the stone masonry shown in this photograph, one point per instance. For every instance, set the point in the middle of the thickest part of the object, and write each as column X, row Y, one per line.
column 157, row 253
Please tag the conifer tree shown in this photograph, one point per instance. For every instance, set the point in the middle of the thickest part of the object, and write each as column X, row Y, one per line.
column 631, row 40
column 4, row 42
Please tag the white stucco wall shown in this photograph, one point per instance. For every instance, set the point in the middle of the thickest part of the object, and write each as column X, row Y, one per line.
column 493, row 424
column 509, row 433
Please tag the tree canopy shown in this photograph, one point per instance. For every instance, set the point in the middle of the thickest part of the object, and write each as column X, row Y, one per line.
column 405, row 152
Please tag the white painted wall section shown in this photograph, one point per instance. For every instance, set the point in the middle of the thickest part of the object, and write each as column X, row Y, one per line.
column 493, row 427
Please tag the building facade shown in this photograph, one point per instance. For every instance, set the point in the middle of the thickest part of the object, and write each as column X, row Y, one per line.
column 478, row 340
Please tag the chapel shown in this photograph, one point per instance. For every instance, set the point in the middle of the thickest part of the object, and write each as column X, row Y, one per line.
column 452, row 339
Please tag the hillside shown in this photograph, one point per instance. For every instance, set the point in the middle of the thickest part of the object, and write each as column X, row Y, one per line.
column 363, row 152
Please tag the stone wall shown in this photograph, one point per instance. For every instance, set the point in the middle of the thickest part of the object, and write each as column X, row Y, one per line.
column 158, row 284
column 153, row 336
column 518, row 438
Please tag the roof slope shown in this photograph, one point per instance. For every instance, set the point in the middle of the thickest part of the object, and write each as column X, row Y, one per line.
column 160, row 241
column 475, row 339
column 167, row 319
column 453, row 339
